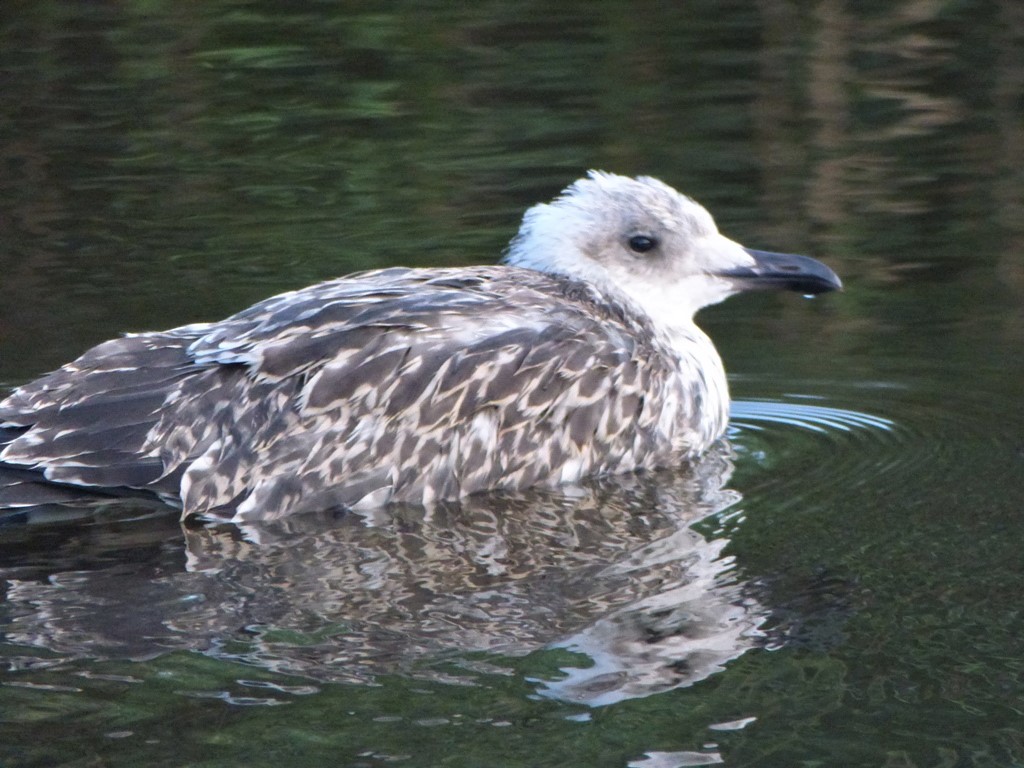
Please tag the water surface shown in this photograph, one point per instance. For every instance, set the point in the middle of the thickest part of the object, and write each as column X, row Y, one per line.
column 837, row 584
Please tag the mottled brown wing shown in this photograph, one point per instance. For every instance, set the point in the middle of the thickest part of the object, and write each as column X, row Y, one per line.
column 428, row 385
column 405, row 385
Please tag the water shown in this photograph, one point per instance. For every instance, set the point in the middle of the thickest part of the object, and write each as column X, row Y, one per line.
column 839, row 585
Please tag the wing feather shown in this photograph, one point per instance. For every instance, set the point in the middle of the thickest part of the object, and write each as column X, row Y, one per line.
column 396, row 385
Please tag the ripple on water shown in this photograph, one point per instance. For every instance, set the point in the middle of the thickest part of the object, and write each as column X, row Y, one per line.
column 909, row 431
column 838, row 446
column 754, row 414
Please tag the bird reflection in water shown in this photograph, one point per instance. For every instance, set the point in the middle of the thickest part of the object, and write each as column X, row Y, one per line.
column 612, row 570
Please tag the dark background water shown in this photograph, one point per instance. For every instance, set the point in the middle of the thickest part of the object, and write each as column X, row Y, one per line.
column 164, row 163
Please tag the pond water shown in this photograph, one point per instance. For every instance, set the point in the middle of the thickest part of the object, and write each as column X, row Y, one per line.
column 840, row 583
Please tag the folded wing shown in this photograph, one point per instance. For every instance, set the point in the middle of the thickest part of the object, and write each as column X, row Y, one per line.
column 394, row 385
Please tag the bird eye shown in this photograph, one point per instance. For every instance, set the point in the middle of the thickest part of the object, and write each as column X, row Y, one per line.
column 642, row 243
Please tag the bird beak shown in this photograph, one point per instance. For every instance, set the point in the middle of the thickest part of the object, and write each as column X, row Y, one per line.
column 784, row 271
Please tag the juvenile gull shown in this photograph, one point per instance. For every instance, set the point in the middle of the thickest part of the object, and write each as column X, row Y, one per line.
column 578, row 356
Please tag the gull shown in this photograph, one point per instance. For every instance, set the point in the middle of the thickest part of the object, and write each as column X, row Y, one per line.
column 577, row 356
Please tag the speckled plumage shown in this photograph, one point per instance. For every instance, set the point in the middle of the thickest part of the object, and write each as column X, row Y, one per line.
column 408, row 385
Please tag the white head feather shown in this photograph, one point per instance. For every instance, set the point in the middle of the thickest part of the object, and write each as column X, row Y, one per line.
column 587, row 232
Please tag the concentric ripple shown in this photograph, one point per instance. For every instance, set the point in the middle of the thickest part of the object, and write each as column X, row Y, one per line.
column 753, row 414
column 901, row 430
column 812, row 443
column 772, row 431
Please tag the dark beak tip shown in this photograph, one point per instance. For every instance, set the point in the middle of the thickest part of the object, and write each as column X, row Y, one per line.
column 786, row 271
column 835, row 284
